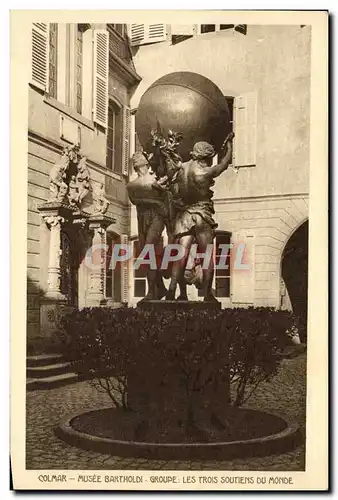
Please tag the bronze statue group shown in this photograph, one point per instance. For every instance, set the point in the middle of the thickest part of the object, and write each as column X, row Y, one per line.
column 177, row 196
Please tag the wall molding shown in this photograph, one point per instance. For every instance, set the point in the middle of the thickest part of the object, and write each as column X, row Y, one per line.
column 262, row 198
column 66, row 110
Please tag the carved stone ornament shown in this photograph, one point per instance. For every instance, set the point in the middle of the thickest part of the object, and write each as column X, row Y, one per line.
column 69, row 179
column 101, row 203
column 82, row 179
column 53, row 220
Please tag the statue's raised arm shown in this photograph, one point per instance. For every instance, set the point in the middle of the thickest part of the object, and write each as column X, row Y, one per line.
column 216, row 170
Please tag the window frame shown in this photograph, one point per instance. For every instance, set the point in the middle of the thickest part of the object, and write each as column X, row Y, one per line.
column 113, row 26
column 79, row 80
column 114, row 276
column 228, row 278
column 139, row 278
column 53, row 30
column 215, row 277
column 240, row 28
column 117, row 109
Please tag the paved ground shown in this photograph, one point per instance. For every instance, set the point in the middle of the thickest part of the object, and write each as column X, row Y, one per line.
column 45, row 409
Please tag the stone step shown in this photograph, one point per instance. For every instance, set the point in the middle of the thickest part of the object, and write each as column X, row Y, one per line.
column 48, row 370
column 51, row 382
column 43, row 359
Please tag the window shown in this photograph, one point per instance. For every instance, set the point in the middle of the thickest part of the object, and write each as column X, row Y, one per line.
column 181, row 32
column 52, row 81
column 221, row 284
column 226, row 26
column 140, row 277
column 208, row 28
column 119, row 28
column 241, row 28
column 79, row 64
column 114, row 138
column 222, row 276
column 113, row 276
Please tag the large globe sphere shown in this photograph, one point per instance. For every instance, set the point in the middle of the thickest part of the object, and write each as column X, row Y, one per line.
column 183, row 102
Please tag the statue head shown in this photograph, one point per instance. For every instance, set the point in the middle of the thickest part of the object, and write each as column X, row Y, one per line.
column 203, row 152
column 81, row 166
column 140, row 162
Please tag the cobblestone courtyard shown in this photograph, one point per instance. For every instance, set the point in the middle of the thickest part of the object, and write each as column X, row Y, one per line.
column 286, row 396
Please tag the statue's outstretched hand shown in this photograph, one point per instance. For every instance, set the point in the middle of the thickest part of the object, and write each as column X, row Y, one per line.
column 227, row 144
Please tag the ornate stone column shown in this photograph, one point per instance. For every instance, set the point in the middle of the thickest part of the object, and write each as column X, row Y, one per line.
column 55, row 301
column 54, row 223
column 97, row 278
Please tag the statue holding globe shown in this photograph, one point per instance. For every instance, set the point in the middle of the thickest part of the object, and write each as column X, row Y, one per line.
column 182, row 122
column 194, row 219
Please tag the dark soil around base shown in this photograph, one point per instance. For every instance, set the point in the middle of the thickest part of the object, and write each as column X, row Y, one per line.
column 239, row 424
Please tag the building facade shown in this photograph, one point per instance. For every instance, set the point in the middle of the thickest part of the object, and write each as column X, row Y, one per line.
column 264, row 72
column 79, row 116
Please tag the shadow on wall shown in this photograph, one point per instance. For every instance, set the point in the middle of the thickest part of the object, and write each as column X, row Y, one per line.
column 295, row 274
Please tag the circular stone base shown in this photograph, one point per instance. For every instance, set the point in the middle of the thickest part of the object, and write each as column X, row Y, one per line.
column 106, row 431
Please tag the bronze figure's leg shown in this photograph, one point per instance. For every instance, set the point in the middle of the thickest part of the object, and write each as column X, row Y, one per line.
column 205, row 238
column 177, row 276
column 156, row 288
column 183, row 290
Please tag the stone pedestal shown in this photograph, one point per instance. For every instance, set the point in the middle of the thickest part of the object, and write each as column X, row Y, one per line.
column 51, row 313
column 161, row 393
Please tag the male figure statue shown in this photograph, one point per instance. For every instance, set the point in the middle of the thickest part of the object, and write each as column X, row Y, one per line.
column 152, row 211
column 57, row 179
column 194, row 218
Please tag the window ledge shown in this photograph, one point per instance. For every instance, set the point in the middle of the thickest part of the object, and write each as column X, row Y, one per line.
column 69, row 112
column 114, row 175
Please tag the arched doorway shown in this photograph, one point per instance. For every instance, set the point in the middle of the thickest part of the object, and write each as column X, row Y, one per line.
column 295, row 274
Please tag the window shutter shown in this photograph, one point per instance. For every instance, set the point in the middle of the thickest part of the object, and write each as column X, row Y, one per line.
column 101, row 63
column 243, row 280
column 125, row 272
column 156, row 33
column 137, row 34
column 245, row 123
column 147, row 33
column 126, row 141
column 40, row 54
column 87, row 69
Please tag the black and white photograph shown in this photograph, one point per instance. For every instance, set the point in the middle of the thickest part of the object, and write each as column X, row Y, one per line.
column 167, row 205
